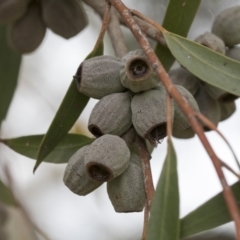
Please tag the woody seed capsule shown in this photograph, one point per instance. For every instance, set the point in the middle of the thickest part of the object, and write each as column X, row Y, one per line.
column 208, row 107
column 219, row 94
column 227, row 109
column 127, row 192
column 181, row 126
column 75, row 175
column 106, row 158
column 182, row 77
column 27, row 33
column 11, row 10
column 149, row 115
column 227, row 26
column 99, row 76
column 136, row 73
column 66, row 17
column 234, row 53
column 211, row 41
column 111, row 115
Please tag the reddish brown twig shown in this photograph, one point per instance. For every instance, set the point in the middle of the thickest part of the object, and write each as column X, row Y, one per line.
column 188, row 111
column 213, row 127
column 145, row 222
column 145, row 157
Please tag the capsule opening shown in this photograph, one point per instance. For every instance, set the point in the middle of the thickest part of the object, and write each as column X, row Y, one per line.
column 95, row 130
column 138, row 68
column 227, row 98
column 157, row 133
column 98, row 172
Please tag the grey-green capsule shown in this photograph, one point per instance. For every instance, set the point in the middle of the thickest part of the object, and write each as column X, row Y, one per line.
column 136, row 73
column 66, row 17
column 181, row 76
column 106, row 158
column 149, row 114
column 75, row 175
column 111, row 115
column 181, row 126
column 227, row 26
column 99, row 76
column 234, row 53
column 211, row 41
column 127, row 192
column 27, row 33
column 209, row 107
column 227, row 109
column 11, row 10
column 219, row 94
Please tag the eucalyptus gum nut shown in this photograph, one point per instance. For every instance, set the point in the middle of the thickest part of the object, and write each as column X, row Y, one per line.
column 181, row 76
column 11, row 10
column 227, row 26
column 234, row 53
column 136, row 73
column 129, row 136
column 149, row 115
column 99, row 76
column 75, row 175
column 65, row 17
column 107, row 158
column 211, row 41
column 219, row 94
column 27, row 33
column 111, row 115
column 127, row 192
column 181, row 126
column 209, row 107
column 227, row 110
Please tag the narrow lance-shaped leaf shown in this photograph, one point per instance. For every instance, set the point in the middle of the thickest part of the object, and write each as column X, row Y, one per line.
column 28, row 146
column 208, row 65
column 178, row 19
column 70, row 109
column 9, row 68
column 164, row 218
column 6, row 195
column 211, row 214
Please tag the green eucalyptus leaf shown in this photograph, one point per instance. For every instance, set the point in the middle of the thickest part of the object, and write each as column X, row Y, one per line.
column 28, row 146
column 178, row 19
column 164, row 217
column 208, row 65
column 70, row 109
column 211, row 214
column 6, row 195
column 9, row 68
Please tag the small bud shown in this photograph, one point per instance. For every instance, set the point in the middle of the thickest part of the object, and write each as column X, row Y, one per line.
column 127, row 192
column 219, row 94
column 129, row 136
column 66, row 17
column 182, row 77
column 181, row 126
column 227, row 26
column 99, row 76
column 75, row 175
column 227, row 109
column 11, row 10
column 149, row 114
column 209, row 107
column 106, row 158
column 211, row 41
column 27, row 33
column 136, row 73
column 111, row 115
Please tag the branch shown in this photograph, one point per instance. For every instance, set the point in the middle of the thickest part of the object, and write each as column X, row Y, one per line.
column 188, row 111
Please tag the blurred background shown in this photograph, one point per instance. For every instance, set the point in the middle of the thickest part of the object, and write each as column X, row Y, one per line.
column 43, row 81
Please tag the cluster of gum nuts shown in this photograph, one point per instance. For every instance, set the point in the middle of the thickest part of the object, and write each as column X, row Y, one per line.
column 214, row 103
column 132, row 101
